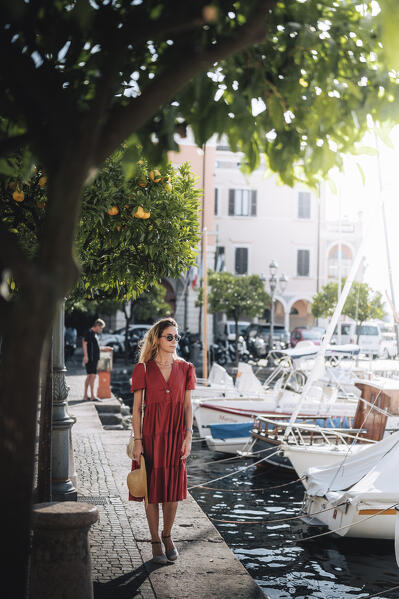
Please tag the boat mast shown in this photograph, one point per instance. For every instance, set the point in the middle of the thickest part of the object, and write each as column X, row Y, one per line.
column 387, row 242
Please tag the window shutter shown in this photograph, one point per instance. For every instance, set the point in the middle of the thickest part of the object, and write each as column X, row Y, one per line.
column 303, row 263
column 231, row 202
column 253, row 202
column 241, row 261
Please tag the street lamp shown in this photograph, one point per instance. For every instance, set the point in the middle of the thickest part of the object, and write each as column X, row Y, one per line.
column 273, row 282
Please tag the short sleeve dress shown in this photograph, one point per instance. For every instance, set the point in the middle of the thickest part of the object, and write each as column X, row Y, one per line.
column 164, row 428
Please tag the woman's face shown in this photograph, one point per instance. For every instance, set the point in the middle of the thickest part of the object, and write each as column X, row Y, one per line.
column 167, row 342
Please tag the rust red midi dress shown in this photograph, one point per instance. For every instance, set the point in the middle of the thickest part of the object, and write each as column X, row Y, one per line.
column 164, row 428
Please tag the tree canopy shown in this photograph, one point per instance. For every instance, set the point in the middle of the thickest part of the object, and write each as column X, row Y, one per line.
column 294, row 81
column 361, row 304
column 123, row 224
column 237, row 295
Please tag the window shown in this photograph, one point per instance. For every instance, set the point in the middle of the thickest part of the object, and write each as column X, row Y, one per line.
column 304, row 204
column 302, row 267
column 241, row 261
column 242, row 202
column 216, row 201
column 219, row 259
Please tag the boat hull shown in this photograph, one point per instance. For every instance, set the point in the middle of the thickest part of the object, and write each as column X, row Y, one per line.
column 304, row 457
column 355, row 521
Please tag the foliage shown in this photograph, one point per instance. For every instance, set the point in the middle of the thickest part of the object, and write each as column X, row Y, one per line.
column 325, row 301
column 119, row 254
column 236, row 295
column 150, row 305
column 314, row 69
column 361, row 304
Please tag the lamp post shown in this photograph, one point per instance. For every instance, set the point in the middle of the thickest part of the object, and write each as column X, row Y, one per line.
column 273, row 281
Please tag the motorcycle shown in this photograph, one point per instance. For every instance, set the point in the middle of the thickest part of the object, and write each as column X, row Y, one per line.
column 224, row 351
column 184, row 347
column 257, row 347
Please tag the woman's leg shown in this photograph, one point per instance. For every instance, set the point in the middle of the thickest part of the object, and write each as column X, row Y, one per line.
column 169, row 513
column 91, row 384
column 152, row 513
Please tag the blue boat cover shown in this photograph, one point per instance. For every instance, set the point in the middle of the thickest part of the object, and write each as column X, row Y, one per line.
column 234, row 430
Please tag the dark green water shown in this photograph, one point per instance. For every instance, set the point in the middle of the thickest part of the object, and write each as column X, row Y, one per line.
column 325, row 568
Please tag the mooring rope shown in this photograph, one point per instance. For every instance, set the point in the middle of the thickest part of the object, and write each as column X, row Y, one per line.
column 298, row 539
column 235, row 457
column 299, row 516
column 291, row 482
column 232, row 473
column 382, row 592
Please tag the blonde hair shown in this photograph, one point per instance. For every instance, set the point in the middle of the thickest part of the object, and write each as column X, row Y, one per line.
column 149, row 343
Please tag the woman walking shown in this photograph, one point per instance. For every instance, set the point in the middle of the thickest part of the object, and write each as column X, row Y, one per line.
column 165, row 439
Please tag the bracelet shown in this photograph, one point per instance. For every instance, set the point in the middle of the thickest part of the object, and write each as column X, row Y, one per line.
column 189, row 429
column 137, row 439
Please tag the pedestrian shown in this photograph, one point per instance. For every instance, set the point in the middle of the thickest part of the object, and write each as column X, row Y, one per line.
column 165, row 439
column 91, row 356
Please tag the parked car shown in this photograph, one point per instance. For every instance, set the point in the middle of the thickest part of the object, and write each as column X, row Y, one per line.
column 226, row 329
column 388, row 346
column 314, row 334
column 369, row 336
column 281, row 337
column 116, row 339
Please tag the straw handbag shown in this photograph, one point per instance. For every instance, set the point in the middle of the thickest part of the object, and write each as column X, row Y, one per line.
column 137, row 479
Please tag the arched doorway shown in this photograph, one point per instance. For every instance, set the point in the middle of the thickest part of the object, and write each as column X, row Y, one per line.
column 301, row 314
column 279, row 312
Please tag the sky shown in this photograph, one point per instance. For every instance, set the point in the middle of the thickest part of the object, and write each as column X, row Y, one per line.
column 381, row 175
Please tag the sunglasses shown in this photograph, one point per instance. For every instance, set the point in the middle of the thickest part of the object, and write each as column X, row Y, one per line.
column 171, row 337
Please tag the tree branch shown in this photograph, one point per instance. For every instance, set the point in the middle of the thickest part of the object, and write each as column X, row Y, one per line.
column 10, row 145
column 125, row 120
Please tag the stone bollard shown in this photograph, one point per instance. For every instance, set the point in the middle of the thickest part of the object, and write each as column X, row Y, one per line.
column 60, row 562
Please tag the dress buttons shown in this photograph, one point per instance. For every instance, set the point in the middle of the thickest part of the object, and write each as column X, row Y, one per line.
column 167, row 391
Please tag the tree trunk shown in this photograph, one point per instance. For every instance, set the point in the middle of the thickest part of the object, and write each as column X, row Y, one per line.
column 128, row 317
column 28, row 320
column 22, row 347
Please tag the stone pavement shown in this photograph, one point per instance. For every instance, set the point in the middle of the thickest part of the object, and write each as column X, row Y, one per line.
column 121, row 553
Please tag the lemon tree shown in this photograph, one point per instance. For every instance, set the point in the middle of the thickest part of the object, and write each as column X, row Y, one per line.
column 131, row 232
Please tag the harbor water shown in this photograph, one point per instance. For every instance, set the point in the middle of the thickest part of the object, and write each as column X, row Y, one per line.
column 283, row 565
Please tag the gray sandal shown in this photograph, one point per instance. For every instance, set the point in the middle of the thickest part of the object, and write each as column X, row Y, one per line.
column 159, row 559
column 173, row 554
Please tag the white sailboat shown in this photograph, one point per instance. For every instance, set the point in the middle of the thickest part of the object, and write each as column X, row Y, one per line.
column 358, row 496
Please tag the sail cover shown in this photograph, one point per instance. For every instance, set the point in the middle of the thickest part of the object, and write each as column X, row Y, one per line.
column 369, row 476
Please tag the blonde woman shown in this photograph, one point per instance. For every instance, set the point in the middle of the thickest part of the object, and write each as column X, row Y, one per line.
column 165, row 439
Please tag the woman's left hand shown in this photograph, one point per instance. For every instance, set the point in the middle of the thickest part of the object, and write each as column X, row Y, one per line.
column 186, row 448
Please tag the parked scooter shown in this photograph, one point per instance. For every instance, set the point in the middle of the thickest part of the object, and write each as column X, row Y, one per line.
column 257, row 347
column 184, row 347
column 224, row 351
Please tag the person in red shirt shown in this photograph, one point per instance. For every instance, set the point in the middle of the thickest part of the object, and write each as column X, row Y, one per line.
column 165, row 439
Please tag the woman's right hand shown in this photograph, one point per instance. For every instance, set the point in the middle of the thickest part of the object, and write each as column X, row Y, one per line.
column 137, row 450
